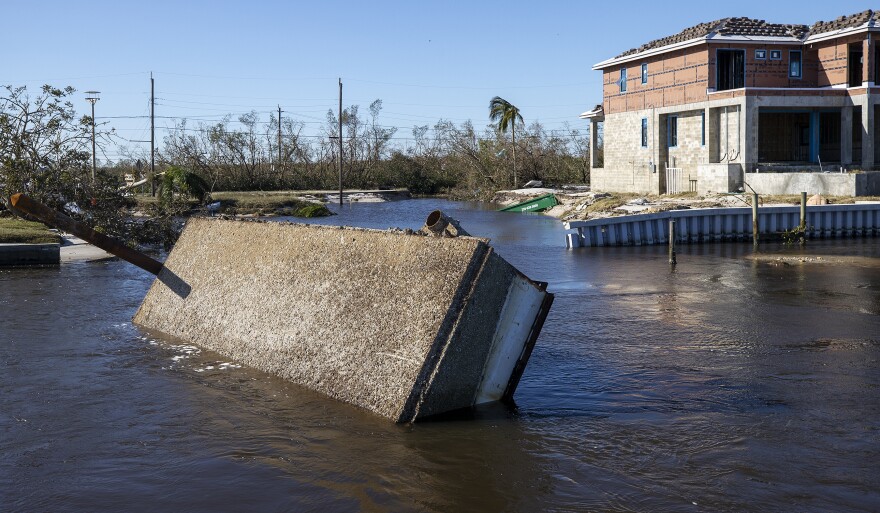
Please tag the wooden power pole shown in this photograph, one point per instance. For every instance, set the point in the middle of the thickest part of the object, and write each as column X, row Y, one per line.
column 279, row 140
column 340, row 143
column 152, row 136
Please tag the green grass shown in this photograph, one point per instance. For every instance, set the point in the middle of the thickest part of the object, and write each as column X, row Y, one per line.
column 281, row 203
column 278, row 203
column 19, row 231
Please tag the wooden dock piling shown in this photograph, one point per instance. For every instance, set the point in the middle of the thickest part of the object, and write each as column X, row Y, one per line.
column 755, row 228
column 803, row 224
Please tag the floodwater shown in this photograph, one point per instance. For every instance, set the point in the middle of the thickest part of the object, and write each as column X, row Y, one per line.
column 729, row 383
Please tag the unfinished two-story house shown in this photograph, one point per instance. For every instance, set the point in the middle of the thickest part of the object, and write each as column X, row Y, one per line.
column 707, row 107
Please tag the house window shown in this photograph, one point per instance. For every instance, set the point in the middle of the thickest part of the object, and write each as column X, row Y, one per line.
column 672, row 131
column 760, row 54
column 622, row 80
column 644, row 72
column 644, row 132
column 731, row 69
column 775, row 55
column 794, row 64
column 854, row 64
column 703, row 128
column 877, row 64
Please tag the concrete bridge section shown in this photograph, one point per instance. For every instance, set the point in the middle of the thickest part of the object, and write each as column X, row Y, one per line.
column 724, row 224
column 402, row 324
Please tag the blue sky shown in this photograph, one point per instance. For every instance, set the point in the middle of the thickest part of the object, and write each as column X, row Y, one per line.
column 426, row 60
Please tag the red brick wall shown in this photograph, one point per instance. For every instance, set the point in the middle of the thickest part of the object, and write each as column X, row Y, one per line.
column 682, row 76
column 831, row 59
column 768, row 72
column 674, row 78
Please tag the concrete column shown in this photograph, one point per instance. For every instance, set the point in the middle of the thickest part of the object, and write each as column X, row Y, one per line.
column 867, row 133
column 814, row 135
column 868, row 62
column 658, row 143
column 707, row 122
column 749, row 115
column 846, row 135
column 594, row 144
column 712, row 135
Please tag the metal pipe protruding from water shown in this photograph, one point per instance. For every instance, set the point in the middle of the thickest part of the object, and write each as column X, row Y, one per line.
column 62, row 222
column 441, row 225
column 672, row 242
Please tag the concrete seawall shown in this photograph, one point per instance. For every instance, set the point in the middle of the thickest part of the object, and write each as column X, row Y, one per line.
column 724, row 224
column 29, row 254
column 404, row 325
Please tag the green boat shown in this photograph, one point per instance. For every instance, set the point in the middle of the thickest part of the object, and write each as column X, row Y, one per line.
column 538, row 204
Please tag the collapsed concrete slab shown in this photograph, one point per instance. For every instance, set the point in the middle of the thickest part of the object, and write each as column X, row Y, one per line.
column 405, row 325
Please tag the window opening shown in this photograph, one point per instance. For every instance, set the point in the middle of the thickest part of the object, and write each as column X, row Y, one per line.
column 672, row 131
column 731, row 69
column 854, row 65
column 794, row 64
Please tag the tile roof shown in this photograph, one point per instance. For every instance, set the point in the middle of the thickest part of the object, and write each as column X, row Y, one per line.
column 725, row 27
column 749, row 27
column 844, row 22
column 701, row 30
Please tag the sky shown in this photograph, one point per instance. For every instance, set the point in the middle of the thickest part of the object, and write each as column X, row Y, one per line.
column 426, row 60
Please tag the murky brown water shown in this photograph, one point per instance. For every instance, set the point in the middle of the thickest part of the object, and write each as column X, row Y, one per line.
column 728, row 384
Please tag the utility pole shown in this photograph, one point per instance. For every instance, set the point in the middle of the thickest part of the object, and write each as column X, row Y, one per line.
column 152, row 136
column 279, row 140
column 340, row 143
column 92, row 97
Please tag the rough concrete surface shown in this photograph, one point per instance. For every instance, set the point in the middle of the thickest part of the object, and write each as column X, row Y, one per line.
column 365, row 316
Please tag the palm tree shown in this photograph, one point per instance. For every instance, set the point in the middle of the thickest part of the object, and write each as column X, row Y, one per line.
column 506, row 114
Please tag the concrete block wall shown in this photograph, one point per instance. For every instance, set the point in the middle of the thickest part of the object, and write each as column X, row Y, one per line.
column 723, row 134
column 718, row 178
column 627, row 165
column 690, row 151
column 403, row 325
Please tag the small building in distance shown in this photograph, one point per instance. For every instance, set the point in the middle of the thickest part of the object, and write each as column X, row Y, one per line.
column 707, row 107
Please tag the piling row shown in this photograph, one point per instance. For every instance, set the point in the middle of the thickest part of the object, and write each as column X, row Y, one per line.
column 725, row 224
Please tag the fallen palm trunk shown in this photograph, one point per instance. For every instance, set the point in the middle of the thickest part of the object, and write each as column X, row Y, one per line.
column 402, row 324
column 62, row 222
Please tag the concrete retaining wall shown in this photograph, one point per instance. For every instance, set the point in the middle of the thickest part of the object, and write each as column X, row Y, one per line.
column 29, row 254
column 718, row 178
column 828, row 184
column 725, row 224
column 404, row 325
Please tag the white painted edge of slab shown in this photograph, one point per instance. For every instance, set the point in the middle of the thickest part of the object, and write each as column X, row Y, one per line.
column 520, row 309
